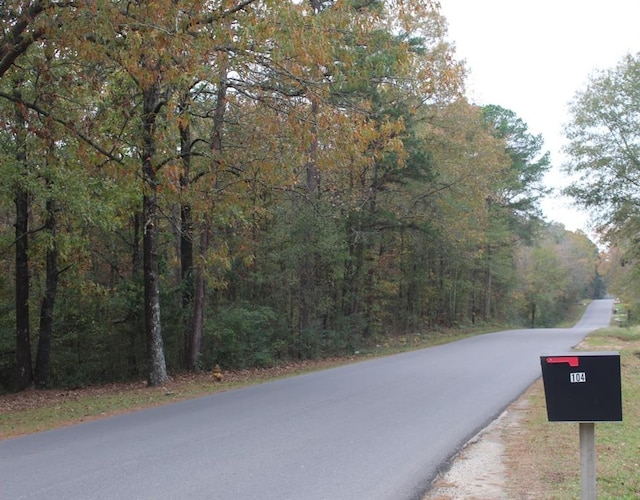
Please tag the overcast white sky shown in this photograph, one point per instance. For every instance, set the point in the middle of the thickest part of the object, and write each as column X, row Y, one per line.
column 533, row 56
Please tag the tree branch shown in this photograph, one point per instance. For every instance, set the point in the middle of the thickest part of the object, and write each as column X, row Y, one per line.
column 215, row 17
column 65, row 124
column 17, row 41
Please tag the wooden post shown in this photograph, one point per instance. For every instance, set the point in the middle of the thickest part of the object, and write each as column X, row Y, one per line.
column 587, row 461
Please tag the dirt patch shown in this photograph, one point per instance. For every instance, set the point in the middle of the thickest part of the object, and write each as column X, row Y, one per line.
column 478, row 472
column 497, row 464
column 525, row 450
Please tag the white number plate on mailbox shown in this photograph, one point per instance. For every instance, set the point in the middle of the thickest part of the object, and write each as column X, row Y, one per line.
column 577, row 377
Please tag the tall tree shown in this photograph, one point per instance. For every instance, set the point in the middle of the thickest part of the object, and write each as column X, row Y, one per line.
column 141, row 42
column 514, row 205
column 542, row 285
column 469, row 164
column 22, row 202
column 522, row 187
column 604, row 146
column 45, row 333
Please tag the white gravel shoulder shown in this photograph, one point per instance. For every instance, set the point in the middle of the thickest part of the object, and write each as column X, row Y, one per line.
column 478, row 471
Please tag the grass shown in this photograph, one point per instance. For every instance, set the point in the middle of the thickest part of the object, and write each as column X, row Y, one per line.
column 544, row 456
column 618, row 444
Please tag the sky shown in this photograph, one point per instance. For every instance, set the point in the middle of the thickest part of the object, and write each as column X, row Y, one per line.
column 533, row 56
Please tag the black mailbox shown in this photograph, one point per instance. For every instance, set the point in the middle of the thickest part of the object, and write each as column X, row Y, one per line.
column 582, row 387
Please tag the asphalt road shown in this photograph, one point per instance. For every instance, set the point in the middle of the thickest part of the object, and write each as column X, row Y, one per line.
column 379, row 429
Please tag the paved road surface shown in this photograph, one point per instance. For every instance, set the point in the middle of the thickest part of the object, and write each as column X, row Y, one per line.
column 379, row 429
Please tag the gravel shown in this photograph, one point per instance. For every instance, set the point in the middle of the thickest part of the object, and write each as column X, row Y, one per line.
column 478, row 471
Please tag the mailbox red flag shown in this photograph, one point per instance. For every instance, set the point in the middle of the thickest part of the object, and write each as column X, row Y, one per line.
column 571, row 360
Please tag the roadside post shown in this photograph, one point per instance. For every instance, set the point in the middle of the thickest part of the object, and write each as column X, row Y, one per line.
column 583, row 387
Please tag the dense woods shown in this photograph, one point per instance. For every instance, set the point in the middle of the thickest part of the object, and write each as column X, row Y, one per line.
column 241, row 183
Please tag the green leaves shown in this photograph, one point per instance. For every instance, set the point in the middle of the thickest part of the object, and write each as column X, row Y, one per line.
column 604, row 144
column 310, row 169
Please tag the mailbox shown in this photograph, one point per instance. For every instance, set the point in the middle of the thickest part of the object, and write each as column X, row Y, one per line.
column 582, row 386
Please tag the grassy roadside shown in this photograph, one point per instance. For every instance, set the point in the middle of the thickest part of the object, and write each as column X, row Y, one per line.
column 36, row 411
column 542, row 458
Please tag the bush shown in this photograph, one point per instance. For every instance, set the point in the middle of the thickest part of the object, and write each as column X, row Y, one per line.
column 237, row 337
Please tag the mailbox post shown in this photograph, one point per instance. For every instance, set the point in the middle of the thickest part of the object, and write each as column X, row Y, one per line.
column 583, row 387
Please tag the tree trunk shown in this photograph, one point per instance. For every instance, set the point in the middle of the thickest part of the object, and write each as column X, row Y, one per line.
column 195, row 340
column 133, row 312
column 186, row 227
column 23, row 335
column 533, row 315
column 157, row 370
column 156, row 364
column 186, row 254
column 43, row 356
column 309, row 258
column 488, row 288
column 136, row 255
column 186, row 223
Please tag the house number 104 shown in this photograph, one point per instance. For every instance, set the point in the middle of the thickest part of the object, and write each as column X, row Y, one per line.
column 577, row 377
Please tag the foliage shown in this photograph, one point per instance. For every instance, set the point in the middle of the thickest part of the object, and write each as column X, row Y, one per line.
column 604, row 147
column 521, row 188
column 557, row 272
column 245, row 183
column 241, row 338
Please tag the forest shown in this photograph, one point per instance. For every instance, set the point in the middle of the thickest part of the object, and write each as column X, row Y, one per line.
column 245, row 182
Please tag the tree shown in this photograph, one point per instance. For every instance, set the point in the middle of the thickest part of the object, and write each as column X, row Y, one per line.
column 276, row 178
column 47, row 183
column 542, row 284
column 405, row 69
column 22, row 202
column 468, row 163
column 514, row 211
column 621, row 275
column 581, row 259
column 21, row 27
column 156, row 47
column 604, row 147
column 557, row 271
column 522, row 187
